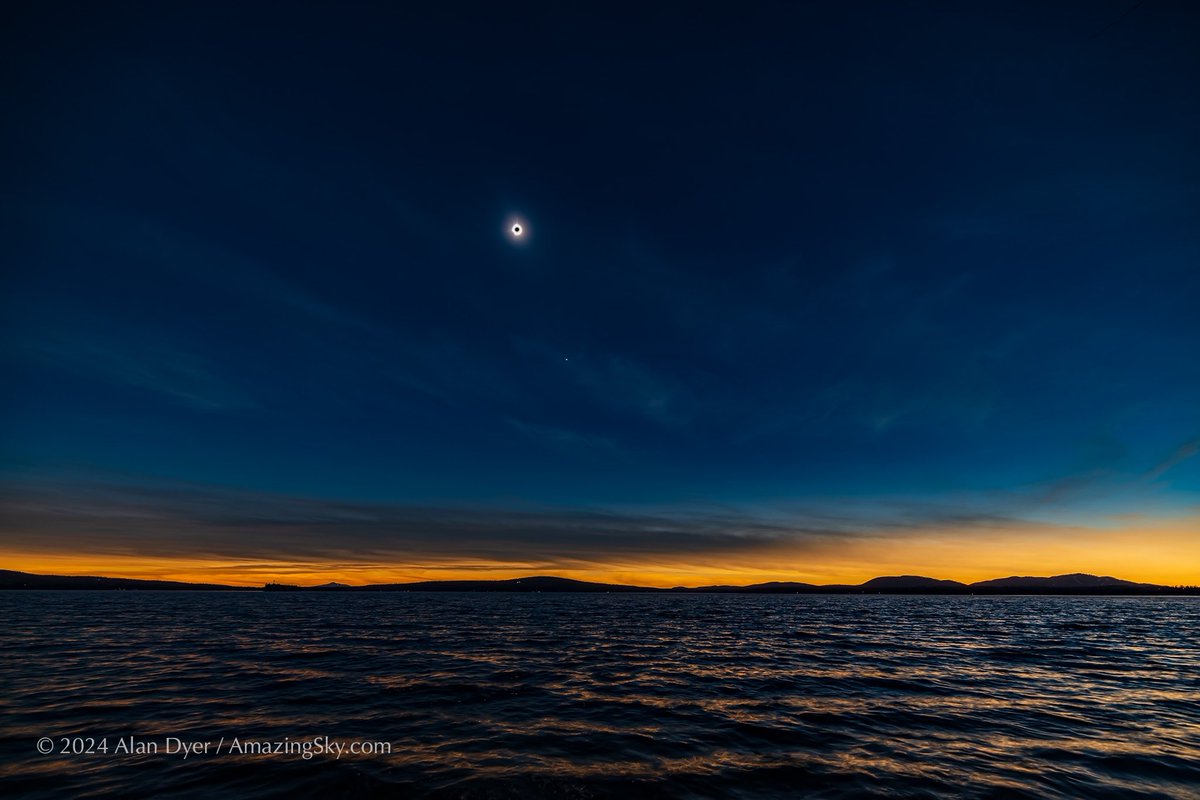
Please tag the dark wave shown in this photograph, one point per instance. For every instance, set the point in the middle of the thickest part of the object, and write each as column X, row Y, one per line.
column 593, row 696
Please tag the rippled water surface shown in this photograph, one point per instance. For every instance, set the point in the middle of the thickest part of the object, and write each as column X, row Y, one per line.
column 579, row 696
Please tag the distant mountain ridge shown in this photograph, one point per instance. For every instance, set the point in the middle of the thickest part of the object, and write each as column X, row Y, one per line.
column 1076, row 580
column 10, row 579
column 536, row 583
column 910, row 583
column 1074, row 583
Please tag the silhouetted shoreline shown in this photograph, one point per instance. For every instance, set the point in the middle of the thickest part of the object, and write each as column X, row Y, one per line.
column 1071, row 584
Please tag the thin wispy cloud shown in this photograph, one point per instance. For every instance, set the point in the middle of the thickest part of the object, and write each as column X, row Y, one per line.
column 203, row 522
column 174, row 373
column 197, row 529
column 196, row 523
column 565, row 438
column 1179, row 455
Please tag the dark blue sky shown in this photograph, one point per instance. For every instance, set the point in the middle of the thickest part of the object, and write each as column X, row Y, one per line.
column 777, row 254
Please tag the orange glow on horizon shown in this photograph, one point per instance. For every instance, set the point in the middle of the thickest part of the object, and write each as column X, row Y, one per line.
column 1165, row 552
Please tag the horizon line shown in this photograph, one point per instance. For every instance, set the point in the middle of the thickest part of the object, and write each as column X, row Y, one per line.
column 731, row 585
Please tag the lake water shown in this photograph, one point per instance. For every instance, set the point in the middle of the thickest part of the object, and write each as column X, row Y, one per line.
column 582, row 696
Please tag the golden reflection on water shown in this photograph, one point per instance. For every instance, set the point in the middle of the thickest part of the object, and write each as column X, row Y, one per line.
column 931, row 692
